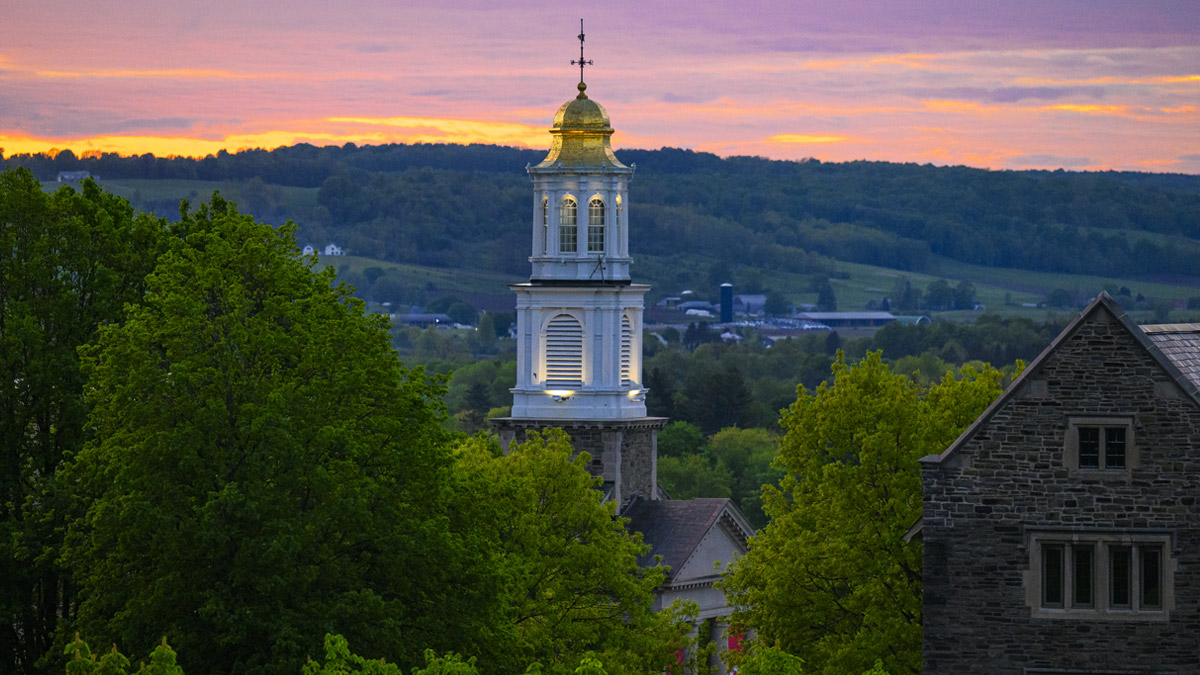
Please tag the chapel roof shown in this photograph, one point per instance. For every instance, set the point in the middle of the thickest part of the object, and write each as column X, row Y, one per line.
column 674, row 528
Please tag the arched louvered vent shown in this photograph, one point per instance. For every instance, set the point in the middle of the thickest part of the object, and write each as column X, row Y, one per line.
column 626, row 351
column 564, row 351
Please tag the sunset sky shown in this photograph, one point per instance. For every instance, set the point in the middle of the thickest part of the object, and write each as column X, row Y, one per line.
column 1077, row 84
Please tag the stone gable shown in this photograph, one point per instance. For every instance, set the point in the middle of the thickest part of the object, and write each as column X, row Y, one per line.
column 1014, row 481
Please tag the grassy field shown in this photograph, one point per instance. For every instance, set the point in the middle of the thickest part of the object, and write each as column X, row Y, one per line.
column 249, row 195
column 441, row 279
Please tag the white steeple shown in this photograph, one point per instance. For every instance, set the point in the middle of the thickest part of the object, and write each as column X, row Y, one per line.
column 579, row 319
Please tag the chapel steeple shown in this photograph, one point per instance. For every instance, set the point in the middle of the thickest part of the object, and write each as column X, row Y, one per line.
column 579, row 317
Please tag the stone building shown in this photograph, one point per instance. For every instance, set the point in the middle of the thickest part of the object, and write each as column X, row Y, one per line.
column 579, row 352
column 1062, row 529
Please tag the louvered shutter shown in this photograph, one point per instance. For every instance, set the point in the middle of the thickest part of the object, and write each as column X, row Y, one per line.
column 626, row 352
column 564, row 351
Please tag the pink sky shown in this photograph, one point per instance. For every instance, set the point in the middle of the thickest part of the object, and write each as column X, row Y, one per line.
column 1079, row 84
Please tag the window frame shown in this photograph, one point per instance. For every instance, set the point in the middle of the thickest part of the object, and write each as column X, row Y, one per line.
column 568, row 225
column 1102, row 548
column 1103, row 467
column 595, row 230
column 545, row 224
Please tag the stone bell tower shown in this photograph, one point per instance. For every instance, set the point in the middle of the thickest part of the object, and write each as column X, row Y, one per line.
column 579, row 318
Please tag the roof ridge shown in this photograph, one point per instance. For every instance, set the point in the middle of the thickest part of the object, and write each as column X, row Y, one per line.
column 1159, row 328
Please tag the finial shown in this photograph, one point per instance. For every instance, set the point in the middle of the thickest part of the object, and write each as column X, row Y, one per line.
column 581, row 63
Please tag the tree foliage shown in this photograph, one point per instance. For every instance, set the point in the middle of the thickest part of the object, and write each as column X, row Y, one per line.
column 830, row 578
column 566, row 569
column 262, row 469
column 81, row 661
column 69, row 261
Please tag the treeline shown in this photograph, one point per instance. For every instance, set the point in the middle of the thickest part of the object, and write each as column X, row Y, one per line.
column 446, row 204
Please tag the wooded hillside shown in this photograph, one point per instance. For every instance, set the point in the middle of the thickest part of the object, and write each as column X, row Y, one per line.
column 453, row 206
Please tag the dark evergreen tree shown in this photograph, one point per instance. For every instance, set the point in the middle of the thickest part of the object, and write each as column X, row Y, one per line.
column 826, row 301
column 660, row 394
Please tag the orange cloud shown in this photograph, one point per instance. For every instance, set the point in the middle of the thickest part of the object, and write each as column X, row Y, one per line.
column 952, row 106
column 329, row 131
column 1090, row 108
column 171, row 73
column 455, row 130
column 908, row 61
column 1060, row 82
column 806, row 138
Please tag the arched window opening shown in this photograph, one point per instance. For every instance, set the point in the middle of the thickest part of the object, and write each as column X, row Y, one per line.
column 545, row 224
column 568, row 226
column 595, row 240
column 564, row 352
column 627, row 377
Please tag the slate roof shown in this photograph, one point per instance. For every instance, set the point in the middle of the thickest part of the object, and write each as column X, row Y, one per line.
column 674, row 527
column 1179, row 342
column 849, row 316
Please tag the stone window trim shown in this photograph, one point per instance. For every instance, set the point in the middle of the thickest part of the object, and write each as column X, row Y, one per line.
column 1101, row 423
column 1101, row 543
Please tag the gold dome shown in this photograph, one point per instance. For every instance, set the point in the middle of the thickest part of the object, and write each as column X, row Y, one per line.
column 581, row 135
column 581, row 112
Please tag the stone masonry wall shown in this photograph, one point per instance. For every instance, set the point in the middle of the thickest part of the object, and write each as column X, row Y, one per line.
column 622, row 452
column 1011, row 477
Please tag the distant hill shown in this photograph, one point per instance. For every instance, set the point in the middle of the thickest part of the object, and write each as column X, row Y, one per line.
column 455, row 206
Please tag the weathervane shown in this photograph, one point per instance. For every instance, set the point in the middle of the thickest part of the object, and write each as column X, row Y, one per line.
column 581, row 62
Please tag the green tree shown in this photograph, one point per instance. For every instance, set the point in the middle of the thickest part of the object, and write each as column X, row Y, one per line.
column 462, row 312
column 903, row 296
column 1060, row 297
column 830, row 579
column 68, row 263
column 713, row 398
column 372, row 273
column 567, row 568
column 680, row 438
column 477, row 401
column 81, row 661
column 826, row 300
column 939, row 295
column 747, row 454
column 691, row 476
column 660, row 394
column 964, row 295
column 776, row 304
column 262, row 469
column 485, row 335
